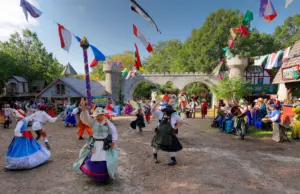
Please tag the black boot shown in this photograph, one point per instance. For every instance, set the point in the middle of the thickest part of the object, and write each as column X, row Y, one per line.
column 242, row 137
column 155, row 158
column 80, row 138
column 172, row 162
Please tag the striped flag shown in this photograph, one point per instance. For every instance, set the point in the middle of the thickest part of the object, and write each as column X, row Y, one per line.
column 267, row 10
column 65, row 37
column 137, row 62
column 139, row 10
column 28, row 8
column 286, row 54
column 142, row 38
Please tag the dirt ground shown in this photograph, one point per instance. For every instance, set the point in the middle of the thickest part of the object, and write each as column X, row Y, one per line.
column 211, row 162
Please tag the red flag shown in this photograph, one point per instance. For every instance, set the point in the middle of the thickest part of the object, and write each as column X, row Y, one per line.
column 65, row 37
column 243, row 31
column 137, row 63
column 142, row 38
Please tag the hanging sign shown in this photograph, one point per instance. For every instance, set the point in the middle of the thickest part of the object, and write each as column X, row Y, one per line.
column 291, row 72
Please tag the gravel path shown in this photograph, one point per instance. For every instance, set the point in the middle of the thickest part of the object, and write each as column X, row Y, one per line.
column 211, row 162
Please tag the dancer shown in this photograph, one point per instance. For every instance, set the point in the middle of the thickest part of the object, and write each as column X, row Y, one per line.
column 140, row 123
column 147, row 111
column 240, row 125
column 71, row 118
column 128, row 108
column 82, row 127
column 24, row 152
column 51, row 111
column 203, row 109
column 39, row 118
column 98, row 157
column 165, row 138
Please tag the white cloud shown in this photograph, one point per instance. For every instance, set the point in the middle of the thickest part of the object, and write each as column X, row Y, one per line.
column 12, row 18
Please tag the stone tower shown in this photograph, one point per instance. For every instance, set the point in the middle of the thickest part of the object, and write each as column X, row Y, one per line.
column 113, row 81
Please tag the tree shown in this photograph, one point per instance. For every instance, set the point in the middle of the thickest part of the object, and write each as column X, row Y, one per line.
column 195, row 88
column 231, row 89
column 28, row 58
column 168, row 88
column 143, row 90
column 289, row 32
column 126, row 58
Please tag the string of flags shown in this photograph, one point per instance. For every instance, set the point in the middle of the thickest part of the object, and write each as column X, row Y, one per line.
column 28, row 8
column 267, row 10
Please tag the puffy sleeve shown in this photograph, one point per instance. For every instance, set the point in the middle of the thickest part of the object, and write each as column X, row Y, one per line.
column 177, row 118
column 113, row 130
column 49, row 118
column 18, row 129
column 31, row 117
column 86, row 118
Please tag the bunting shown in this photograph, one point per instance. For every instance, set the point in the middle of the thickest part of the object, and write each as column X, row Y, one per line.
column 288, row 2
column 267, row 10
column 65, row 37
column 258, row 61
column 232, row 33
column 230, row 43
column 286, row 54
column 99, row 56
column 273, row 60
column 28, row 8
column 142, row 38
column 137, row 62
column 139, row 10
column 248, row 17
column 244, row 32
column 228, row 53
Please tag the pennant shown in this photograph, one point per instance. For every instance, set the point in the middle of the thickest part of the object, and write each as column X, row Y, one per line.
column 248, row 17
column 258, row 61
column 128, row 75
column 124, row 72
column 230, row 43
column 273, row 60
column 288, row 2
column 216, row 71
column 99, row 56
column 137, row 62
column 228, row 53
column 267, row 10
column 243, row 31
column 232, row 33
column 77, row 38
column 139, row 10
column 286, row 54
column 142, row 38
column 222, row 61
column 28, row 8
column 65, row 37
column 220, row 77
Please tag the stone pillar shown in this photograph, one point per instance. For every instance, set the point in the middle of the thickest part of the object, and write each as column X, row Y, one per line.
column 113, row 81
column 237, row 66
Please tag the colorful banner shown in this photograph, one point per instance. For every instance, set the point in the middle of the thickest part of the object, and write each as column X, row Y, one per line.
column 99, row 100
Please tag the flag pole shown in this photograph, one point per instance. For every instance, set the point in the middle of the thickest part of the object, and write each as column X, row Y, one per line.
column 85, row 45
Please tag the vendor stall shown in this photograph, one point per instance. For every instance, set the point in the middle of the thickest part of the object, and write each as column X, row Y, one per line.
column 289, row 76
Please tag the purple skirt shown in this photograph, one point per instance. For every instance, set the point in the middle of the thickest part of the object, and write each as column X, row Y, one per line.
column 95, row 170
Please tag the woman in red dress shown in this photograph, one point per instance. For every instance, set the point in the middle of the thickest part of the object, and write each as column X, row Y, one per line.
column 51, row 111
column 203, row 109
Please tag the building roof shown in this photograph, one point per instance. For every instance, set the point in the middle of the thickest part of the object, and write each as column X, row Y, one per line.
column 79, row 86
column 19, row 79
column 38, row 83
column 68, row 70
column 293, row 59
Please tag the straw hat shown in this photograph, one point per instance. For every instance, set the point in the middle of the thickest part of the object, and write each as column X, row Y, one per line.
column 99, row 111
column 260, row 100
column 20, row 114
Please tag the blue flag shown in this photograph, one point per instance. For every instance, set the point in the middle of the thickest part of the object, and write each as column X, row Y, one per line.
column 28, row 8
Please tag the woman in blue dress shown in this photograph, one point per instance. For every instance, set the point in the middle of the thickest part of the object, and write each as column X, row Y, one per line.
column 24, row 152
column 98, row 157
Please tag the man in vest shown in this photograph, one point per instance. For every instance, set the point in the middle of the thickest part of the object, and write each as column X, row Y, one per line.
column 273, row 116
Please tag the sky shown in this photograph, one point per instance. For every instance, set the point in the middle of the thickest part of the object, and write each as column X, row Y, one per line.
column 107, row 24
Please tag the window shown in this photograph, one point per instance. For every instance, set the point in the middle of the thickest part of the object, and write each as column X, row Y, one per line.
column 60, row 89
column 260, row 81
column 24, row 88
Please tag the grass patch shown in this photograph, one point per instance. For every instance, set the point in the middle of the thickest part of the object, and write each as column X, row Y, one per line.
column 258, row 133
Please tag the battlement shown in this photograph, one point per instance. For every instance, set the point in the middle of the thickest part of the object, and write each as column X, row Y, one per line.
column 172, row 74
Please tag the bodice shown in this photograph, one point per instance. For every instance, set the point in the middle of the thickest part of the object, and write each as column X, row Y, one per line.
column 100, row 131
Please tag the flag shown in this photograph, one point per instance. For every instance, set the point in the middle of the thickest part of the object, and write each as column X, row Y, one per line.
column 216, row 71
column 288, row 2
column 232, row 32
column 124, row 72
column 273, row 60
column 137, row 62
column 248, row 17
column 286, row 54
column 77, row 38
column 65, row 37
column 230, row 43
column 258, row 61
column 139, row 10
column 28, row 8
column 228, row 53
column 267, row 10
column 99, row 56
column 243, row 31
column 142, row 38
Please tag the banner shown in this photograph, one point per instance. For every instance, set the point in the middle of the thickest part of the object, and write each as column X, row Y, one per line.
column 99, row 100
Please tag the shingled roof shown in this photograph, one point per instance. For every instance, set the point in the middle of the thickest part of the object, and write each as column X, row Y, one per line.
column 68, row 70
column 293, row 59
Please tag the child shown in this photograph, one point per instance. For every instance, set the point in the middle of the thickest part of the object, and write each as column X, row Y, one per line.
column 147, row 110
column 140, row 123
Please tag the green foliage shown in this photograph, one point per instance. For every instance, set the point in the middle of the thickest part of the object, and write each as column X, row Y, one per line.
column 168, row 88
column 195, row 88
column 24, row 55
column 126, row 58
column 289, row 32
column 143, row 90
column 231, row 89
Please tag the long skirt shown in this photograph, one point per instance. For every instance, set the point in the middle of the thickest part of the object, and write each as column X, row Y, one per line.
column 71, row 119
column 95, row 170
column 25, row 153
column 173, row 146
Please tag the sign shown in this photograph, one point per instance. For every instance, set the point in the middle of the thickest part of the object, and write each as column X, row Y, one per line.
column 99, row 100
column 291, row 72
column 263, row 89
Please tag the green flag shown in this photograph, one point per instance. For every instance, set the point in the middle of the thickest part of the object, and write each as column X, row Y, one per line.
column 248, row 17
